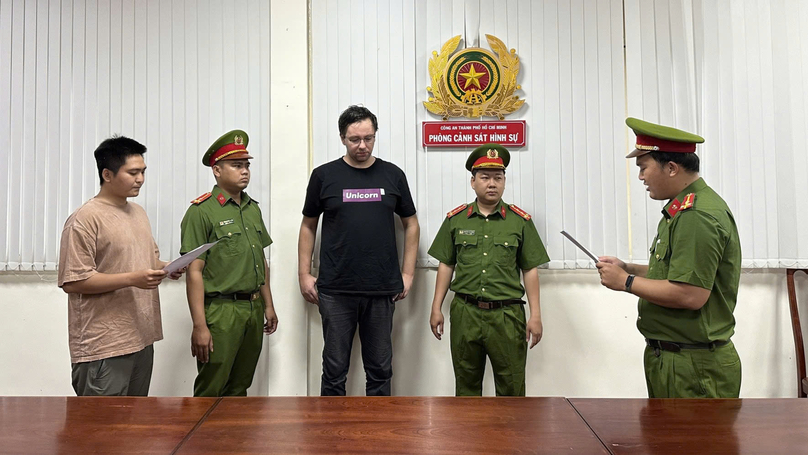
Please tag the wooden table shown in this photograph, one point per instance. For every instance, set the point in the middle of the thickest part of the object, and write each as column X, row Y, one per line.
column 393, row 425
column 400, row 425
column 698, row 426
column 97, row 424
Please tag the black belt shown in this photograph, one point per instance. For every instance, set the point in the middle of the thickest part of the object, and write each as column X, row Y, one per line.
column 676, row 347
column 249, row 296
column 488, row 304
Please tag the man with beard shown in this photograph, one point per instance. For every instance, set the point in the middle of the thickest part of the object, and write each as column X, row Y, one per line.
column 359, row 280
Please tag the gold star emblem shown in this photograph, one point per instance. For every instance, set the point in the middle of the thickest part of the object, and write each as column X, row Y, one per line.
column 472, row 77
column 493, row 153
column 239, row 140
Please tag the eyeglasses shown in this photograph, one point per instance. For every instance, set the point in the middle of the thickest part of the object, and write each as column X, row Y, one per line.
column 358, row 140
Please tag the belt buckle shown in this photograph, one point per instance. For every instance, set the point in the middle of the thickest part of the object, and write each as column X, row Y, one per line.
column 254, row 296
column 483, row 305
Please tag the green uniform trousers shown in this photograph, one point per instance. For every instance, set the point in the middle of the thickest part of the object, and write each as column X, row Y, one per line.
column 693, row 373
column 237, row 329
column 500, row 334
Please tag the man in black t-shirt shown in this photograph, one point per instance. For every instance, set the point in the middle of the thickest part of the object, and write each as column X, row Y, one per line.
column 359, row 279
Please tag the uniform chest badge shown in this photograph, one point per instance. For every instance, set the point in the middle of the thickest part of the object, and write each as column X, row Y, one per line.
column 466, row 232
column 226, row 222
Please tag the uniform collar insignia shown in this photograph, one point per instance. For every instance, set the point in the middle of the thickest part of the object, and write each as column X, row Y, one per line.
column 673, row 208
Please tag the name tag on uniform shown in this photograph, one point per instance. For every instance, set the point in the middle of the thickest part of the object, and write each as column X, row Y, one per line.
column 466, row 231
column 225, row 222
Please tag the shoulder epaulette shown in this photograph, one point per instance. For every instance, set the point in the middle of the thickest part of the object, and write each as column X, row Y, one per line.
column 456, row 210
column 201, row 199
column 520, row 212
column 688, row 202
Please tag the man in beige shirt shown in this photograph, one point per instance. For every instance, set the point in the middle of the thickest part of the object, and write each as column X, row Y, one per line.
column 110, row 268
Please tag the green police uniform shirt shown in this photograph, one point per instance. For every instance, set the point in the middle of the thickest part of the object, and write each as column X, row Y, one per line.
column 236, row 263
column 697, row 243
column 488, row 251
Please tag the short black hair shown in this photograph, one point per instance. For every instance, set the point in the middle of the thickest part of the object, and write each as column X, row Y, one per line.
column 688, row 161
column 113, row 153
column 355, row 114
column 475, row 171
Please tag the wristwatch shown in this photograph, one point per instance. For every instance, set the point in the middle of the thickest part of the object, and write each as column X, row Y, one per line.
column 629, row 282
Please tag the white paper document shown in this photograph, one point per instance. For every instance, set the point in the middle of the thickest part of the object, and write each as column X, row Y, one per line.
column 572, row 239
column 187, row 258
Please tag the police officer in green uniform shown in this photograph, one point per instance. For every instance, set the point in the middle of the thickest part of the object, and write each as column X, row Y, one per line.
column 486, row 243
column 228, row 285
column 689, row 288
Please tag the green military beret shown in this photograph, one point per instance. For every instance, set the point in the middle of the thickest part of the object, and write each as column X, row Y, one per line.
column 488, row 156
column 231, row 146
column 659, row 138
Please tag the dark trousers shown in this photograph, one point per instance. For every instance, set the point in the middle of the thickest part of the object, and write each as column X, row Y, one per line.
column 341, row 313
column 124, row 375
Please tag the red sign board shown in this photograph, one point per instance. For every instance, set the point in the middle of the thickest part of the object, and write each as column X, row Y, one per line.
column 462, row 134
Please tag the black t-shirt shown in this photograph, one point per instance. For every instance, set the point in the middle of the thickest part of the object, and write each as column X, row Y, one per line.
column 358, row 248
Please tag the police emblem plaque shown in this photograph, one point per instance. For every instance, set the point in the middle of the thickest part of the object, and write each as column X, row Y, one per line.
column 473, row 82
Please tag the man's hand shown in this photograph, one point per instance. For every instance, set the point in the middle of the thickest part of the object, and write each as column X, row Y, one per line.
column 271, row 324
column 176, row 275
column 533, row 330
column 148, row 278
column 308, row 288
column 436, row 322
column 613, row 260
column 201, row 344
column 612, row 275
column 407, row 278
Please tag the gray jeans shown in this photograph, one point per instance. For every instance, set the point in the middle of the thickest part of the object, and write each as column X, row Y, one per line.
column 124, row 375
column 341, row 314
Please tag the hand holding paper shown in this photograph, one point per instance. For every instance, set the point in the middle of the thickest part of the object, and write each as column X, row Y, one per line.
column 186, row 259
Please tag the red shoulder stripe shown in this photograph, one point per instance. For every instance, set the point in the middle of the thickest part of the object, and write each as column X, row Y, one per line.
column 456, row 210
column 520, row 212
column 201, row 199
column 688, row 202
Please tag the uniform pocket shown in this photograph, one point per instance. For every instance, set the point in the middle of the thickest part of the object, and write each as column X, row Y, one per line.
column 658, row 264
column 210, row 314
column 696, row 374
column 660, row 251
column 230, row 240
column 505, row 247
column 467, row 249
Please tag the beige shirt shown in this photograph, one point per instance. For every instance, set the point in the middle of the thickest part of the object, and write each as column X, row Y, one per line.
column 101, row 237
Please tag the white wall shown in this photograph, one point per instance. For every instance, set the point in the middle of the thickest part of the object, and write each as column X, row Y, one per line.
column 590, row 348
